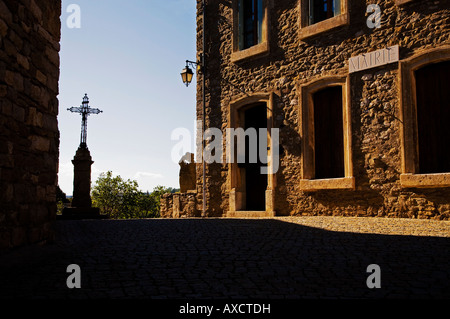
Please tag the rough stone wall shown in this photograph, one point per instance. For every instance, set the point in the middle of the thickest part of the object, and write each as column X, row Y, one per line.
column 180, row 205
column 375, row 99
column 29, row 136
column 166, row 205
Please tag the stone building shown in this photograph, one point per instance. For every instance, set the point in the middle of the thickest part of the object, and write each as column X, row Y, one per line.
column 29, row 136
column 358, row 96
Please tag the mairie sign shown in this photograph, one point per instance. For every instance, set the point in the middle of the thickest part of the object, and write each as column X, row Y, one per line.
column 373, row 59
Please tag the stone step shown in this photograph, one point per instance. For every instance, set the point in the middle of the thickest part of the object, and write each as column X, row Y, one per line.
column 249, row 214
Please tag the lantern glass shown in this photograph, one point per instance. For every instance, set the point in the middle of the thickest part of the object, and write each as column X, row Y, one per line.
column 186, row 75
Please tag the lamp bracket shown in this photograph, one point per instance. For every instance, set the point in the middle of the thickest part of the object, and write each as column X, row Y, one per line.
column 196, row 65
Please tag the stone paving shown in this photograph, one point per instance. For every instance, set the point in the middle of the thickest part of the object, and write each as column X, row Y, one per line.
column 289, row 258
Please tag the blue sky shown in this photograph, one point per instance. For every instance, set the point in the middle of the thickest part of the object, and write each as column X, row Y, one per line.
column 127, row 56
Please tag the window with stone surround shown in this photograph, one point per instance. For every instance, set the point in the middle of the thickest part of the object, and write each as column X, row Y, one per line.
column 320, row 10
column 433, row 117
column 317, row 16
column 326, row 135
column 250, row 29
column 425, row 103
column 250, row 23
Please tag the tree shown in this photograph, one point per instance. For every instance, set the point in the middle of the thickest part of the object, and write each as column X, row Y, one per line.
column 119, row 198
column 114, row 196
column 148, row 204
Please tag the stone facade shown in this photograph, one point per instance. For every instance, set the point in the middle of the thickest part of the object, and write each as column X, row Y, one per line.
column 29, row 136
column 285, row 70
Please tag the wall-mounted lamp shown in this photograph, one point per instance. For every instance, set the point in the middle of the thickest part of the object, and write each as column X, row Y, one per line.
column 187, row 74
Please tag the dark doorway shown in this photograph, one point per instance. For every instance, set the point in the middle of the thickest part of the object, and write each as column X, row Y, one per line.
column 433, row 117
column 255, row 182
column 328, row 133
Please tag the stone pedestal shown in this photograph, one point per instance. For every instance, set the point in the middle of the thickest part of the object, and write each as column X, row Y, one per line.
column 81, row 202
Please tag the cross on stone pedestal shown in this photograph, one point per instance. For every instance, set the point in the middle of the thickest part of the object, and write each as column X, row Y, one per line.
column 85, row 110
column 82, row 162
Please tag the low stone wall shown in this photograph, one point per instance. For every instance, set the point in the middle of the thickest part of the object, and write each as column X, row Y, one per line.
column 180, row 205
column 29, row 136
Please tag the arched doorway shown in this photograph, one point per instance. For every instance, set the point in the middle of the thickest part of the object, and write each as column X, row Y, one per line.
column 251, row 179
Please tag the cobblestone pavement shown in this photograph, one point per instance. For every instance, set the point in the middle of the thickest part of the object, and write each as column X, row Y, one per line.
column 304, row 257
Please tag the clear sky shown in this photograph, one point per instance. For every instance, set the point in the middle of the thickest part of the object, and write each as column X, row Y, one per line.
column 127, row 56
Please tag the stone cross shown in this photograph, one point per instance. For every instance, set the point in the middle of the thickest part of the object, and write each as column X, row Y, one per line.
column 85, row 110
column 81, row 206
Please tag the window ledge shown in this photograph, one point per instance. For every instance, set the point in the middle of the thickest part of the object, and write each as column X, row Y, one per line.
column 332, row 183
column 325, row 25
column 254, row 51
column 425, row 180
column 400, row 2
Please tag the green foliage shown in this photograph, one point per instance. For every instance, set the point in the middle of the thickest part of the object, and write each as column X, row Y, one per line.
column 121, row 199
column 61, row 200
column 59, row 207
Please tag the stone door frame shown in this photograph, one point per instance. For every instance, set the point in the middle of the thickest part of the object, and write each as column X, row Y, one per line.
column 234, row 182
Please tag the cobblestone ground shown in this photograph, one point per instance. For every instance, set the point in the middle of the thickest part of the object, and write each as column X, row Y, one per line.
column 304, row 257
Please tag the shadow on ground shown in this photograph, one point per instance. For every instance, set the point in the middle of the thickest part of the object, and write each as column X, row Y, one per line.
column 224, row 258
